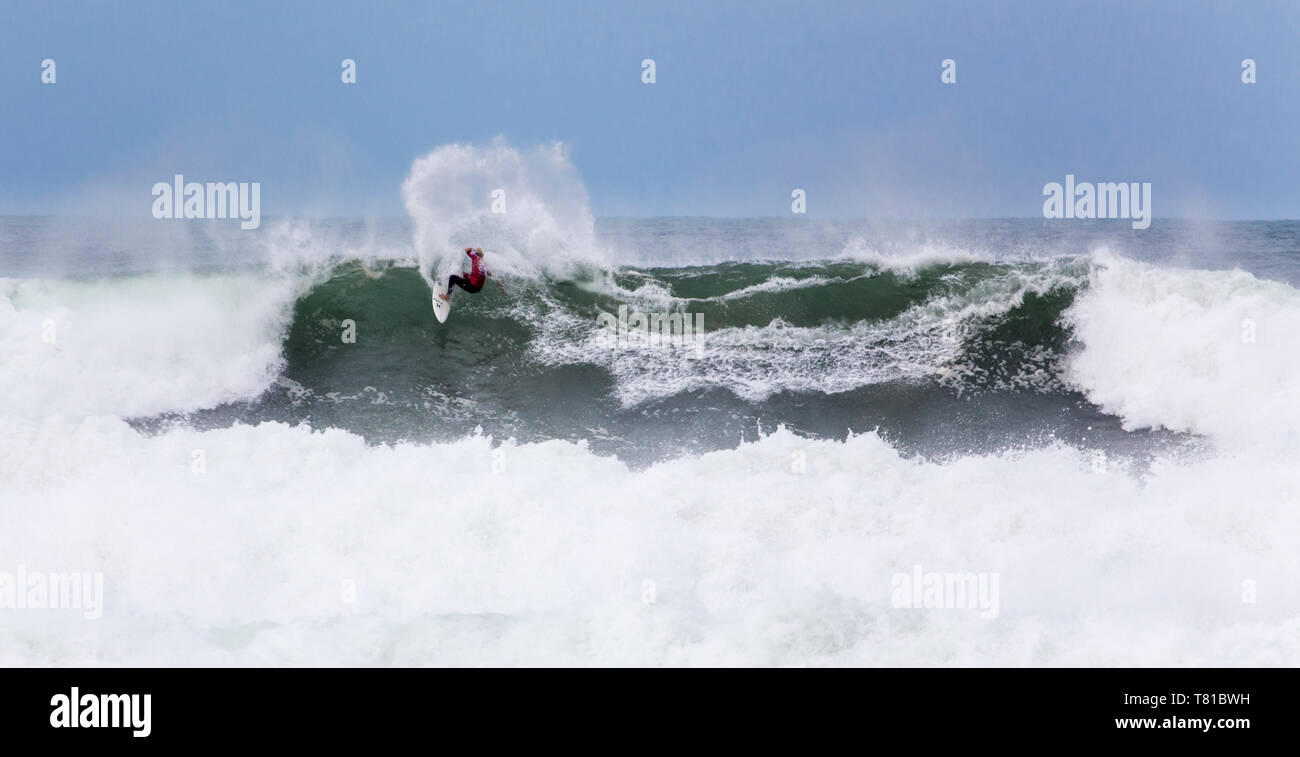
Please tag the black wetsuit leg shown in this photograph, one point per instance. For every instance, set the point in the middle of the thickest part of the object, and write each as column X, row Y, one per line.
column 463, row 283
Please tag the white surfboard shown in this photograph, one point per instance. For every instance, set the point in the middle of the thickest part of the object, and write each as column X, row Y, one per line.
column 441, row 307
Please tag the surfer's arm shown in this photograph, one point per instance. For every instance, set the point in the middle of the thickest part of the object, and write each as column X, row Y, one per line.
column 498, row 283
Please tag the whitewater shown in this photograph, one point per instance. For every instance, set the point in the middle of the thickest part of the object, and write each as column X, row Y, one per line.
column 1106, row 419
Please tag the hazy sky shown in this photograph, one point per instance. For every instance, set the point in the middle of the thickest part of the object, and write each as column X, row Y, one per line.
column 752, row 99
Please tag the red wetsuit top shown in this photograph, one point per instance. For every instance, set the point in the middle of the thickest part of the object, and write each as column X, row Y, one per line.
column 476, row 274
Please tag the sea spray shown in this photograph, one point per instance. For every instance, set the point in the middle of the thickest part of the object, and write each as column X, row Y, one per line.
column 527, row 208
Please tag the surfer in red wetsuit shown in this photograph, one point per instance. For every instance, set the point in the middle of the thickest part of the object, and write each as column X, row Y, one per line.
column 477, row 275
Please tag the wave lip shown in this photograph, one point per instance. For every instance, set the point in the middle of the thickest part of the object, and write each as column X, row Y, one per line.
column 913, row 258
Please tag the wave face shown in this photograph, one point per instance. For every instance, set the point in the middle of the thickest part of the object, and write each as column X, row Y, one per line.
column 1104, row 419
column 818, row 347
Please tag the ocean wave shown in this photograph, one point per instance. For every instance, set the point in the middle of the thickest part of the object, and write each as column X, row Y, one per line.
column 1158, row 347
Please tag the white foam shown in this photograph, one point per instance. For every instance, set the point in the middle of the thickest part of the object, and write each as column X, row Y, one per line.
column 1167, row 347
column 774, row 284
column 302, row 547
column 139, row 345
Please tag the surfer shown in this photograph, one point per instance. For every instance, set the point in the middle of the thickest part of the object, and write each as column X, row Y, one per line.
column 477, row 275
